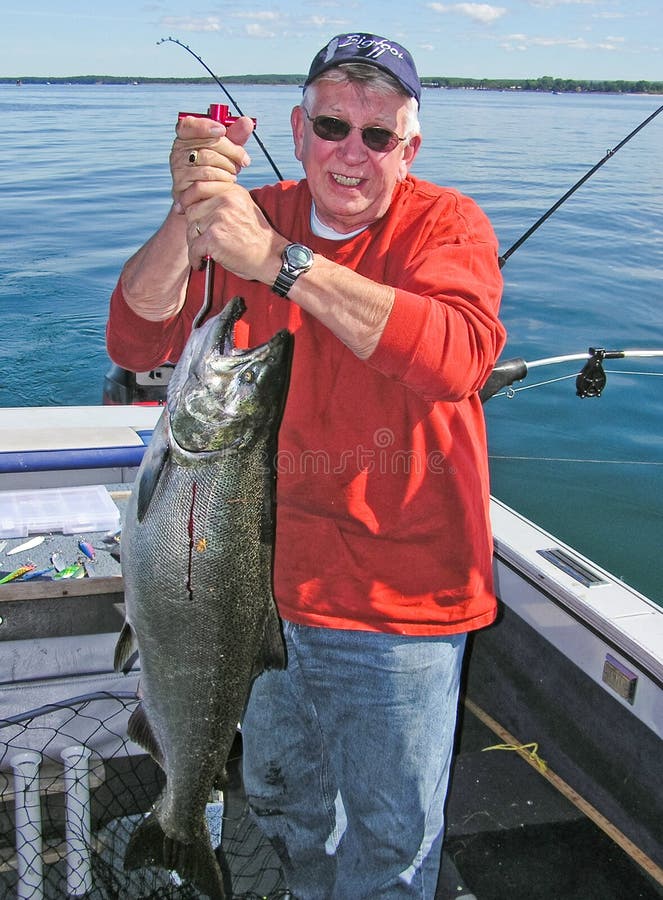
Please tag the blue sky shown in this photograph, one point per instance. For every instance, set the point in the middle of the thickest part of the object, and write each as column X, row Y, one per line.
column 594, row 39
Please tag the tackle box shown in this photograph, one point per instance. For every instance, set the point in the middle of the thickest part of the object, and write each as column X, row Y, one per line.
column 67, row 509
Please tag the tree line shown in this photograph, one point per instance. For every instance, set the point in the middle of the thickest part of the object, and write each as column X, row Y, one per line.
column 546, row 83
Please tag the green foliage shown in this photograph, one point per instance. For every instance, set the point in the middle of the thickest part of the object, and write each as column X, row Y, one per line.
column 544, row 84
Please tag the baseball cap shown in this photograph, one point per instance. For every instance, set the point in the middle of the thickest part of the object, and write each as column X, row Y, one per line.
column 372, row 50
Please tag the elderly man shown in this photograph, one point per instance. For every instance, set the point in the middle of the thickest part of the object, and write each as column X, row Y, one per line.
column 391, row 286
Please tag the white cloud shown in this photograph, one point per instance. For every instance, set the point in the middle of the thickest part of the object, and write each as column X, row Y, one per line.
column 549, row 4
column 522, row 42
column 480, row 12
column 191, row 23
column 258, row 30
column 263, row 15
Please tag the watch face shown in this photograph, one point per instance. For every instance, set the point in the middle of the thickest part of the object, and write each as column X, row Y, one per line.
column 298, row 256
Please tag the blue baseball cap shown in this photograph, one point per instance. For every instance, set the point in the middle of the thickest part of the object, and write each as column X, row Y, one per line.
column 372, row 50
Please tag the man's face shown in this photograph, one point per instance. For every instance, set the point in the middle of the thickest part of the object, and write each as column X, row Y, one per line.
column 351, row 185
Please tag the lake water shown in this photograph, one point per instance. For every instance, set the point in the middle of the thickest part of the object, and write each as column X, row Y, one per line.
column 84, row 181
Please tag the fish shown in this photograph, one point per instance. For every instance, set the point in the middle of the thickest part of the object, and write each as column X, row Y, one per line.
column 196, row 556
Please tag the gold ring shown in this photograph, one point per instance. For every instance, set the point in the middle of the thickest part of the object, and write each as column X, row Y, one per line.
column 193, row 157
column 197, row 227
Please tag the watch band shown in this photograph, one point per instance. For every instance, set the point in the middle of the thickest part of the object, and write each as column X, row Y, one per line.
column 295, row 260
column 284, row 281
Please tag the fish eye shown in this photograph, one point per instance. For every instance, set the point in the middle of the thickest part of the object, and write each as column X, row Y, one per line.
column 249, row 376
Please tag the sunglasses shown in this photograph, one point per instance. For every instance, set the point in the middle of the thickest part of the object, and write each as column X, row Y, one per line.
column 329, row 128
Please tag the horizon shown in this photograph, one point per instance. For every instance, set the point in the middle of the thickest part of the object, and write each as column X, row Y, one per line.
column 581, row 40
column 427, row 81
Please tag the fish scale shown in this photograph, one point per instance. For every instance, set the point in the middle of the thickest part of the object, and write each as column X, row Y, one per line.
column 196, row 553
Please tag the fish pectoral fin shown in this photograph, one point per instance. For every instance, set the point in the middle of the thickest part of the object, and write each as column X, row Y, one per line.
column 272, row 652
column 195, row 862
column 126, row 649
column 140, row 732
column 149, row 478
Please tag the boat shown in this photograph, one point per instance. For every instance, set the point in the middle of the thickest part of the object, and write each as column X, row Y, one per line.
column 558, row 758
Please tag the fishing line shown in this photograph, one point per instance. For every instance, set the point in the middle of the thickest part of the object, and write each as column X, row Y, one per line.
column 572, row 459
column 511, row 391
column 228, row 95
column 521, row 240
column 590, row 381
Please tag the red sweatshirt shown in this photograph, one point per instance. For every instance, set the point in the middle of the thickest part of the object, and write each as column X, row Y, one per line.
column 382, row 489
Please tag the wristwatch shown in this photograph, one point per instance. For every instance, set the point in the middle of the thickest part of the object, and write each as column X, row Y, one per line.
column 296, row 259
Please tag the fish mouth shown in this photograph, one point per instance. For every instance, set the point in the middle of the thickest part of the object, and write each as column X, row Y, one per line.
column 226, row 338
column 280, row 344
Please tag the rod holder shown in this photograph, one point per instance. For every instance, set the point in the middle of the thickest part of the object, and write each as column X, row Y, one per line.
column 29, row 862
column 77, row 819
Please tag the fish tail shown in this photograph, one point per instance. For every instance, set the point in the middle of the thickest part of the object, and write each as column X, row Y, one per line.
column 195, row 862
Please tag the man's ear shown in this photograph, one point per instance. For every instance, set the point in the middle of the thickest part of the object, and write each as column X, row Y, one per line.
column 297, row 125
column 409, row 154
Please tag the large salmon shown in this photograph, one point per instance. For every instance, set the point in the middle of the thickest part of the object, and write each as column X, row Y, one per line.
column 196, row 555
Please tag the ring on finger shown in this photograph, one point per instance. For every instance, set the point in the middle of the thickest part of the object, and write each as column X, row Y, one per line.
column 193, row 157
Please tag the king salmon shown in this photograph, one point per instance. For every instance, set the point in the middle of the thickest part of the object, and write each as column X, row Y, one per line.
column 196, row 554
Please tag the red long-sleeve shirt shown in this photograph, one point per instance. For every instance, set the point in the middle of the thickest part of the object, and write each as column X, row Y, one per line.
column 382, row 489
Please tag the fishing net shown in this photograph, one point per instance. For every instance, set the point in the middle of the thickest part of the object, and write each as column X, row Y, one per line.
column 73, row 788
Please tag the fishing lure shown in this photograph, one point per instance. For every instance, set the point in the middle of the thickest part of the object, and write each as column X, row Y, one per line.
column 36, row 573
column 18, row 573
column 58, row 561
column 87, row 549
column 28, row 545
column 76, row 570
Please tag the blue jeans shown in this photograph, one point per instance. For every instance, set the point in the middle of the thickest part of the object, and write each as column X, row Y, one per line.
column 346, row 760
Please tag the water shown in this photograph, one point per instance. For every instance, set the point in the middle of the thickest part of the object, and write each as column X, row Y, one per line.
column 84, row 180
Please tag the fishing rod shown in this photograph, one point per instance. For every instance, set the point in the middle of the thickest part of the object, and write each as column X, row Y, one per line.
column 521, row 240
column 590, row 381
column 218, row 112
column 228, row 95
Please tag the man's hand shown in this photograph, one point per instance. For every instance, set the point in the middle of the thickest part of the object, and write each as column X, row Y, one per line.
column 205, row 150
column 224, row 222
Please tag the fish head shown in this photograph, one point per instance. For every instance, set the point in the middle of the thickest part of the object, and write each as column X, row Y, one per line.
column 221, row 397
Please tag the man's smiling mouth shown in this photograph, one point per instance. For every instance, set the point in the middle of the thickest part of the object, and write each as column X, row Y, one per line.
column 345, row 180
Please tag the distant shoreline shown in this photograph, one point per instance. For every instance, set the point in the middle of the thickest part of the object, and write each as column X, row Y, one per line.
column 545, row 84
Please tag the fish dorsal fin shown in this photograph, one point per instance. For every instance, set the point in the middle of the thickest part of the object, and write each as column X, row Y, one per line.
column 149, row 478
column 140, row 732
column 125, row 649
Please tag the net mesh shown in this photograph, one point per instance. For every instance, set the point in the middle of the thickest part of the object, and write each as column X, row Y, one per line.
column 64, row 829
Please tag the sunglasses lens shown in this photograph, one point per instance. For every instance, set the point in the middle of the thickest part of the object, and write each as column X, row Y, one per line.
column 379, row 139
column 330, row 129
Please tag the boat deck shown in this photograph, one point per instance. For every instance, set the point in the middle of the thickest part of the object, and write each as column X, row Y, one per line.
column 513, row 830
column 511, row 835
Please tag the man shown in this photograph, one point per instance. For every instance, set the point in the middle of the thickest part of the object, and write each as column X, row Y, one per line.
column 391, row 286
